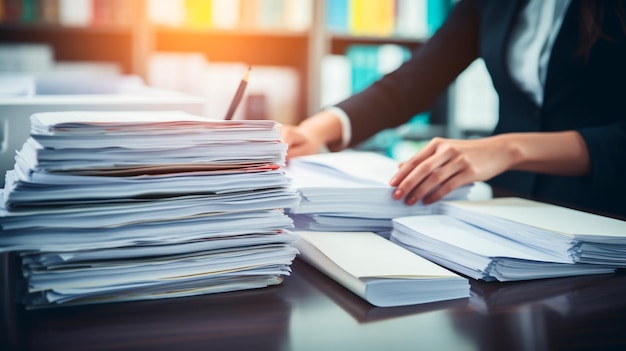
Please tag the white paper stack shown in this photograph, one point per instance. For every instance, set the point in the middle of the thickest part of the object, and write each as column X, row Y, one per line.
column 571, row 235
column 116, row 206
column 481, row 254
column 350, row 191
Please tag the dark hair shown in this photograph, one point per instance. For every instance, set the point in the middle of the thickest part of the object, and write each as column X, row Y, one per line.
column 593, row 16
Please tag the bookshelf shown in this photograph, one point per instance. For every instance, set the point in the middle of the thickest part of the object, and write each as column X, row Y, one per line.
column 255, row 48
column 298, row 42
column 86, row 37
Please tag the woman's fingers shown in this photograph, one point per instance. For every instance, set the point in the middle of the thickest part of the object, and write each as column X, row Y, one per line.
column 433, row 181
column 455, row 181
column 442, row 166
column 422, row 172
column 456, row 171
column 407, row 167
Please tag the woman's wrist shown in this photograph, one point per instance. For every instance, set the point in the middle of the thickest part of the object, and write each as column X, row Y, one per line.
column 325, row 127
column 513, row 146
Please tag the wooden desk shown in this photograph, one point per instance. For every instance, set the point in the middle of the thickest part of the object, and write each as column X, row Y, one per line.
column 311, row 312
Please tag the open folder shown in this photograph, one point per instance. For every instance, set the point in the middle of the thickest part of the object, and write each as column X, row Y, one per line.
column 379, row 271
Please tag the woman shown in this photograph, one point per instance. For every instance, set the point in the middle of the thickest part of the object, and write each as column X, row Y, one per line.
column 559, row 68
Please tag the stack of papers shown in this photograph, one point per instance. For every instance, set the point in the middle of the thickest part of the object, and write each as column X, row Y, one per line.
column 350, row 191
column 571, row 235
column 379, row 271
column 481, row 254
column 515, row 239
column 117, row 206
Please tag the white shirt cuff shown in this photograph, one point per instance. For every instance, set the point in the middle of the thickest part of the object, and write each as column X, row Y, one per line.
column 346, row 127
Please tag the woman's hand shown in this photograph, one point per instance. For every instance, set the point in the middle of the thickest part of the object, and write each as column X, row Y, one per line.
column 314, row 133
column 446, row 164
column 300, row 142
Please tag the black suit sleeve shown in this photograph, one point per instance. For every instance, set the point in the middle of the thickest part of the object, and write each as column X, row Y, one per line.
column 413, row 87
column 605, row 134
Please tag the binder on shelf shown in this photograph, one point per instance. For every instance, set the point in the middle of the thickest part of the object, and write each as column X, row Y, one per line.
column 225, row 13
column 371, row 62
column 335, row 80
column 72, row 13
column 220, row 14
column 29, row 11
column 198, row 13
column 49, row 11
column 110, row 12
column 12, row 11
column 372, row 17
column 416, row 19
column 475, row 103
column 379, row 271
column 75, row 13
column 298, row 14
column 337, row 12
column 437, row 11
column 364, row 62
column 271, row 14
column 411, row 19
column 169, row 13
column 250, row 12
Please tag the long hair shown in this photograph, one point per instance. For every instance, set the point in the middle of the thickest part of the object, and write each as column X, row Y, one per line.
column 593, row 17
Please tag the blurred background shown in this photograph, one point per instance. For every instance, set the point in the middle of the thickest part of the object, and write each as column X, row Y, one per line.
column 305, row 54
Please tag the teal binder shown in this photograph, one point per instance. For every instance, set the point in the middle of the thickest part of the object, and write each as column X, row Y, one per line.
column 337, row 16
column 436, row 12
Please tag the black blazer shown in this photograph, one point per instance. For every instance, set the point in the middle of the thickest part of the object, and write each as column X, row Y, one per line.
column 583, row 94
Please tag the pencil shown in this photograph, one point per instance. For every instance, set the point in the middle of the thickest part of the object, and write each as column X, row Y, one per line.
column 238, row 96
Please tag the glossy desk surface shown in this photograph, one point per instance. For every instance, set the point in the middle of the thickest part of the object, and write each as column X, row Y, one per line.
column 308, row 311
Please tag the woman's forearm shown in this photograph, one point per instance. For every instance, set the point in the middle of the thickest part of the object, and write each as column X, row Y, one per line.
column 445, row 164
column 559, row 153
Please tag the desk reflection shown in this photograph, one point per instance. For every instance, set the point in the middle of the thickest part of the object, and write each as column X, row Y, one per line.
column 244, row 320
column 361, row 310
column 581, row 313
column 573, row 313
column 330, row 317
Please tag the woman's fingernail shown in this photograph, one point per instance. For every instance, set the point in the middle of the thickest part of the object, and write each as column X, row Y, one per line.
column 411, row 200
column 397, row 194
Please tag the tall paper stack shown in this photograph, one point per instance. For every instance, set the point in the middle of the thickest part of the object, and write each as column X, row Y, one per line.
column 116, row 206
